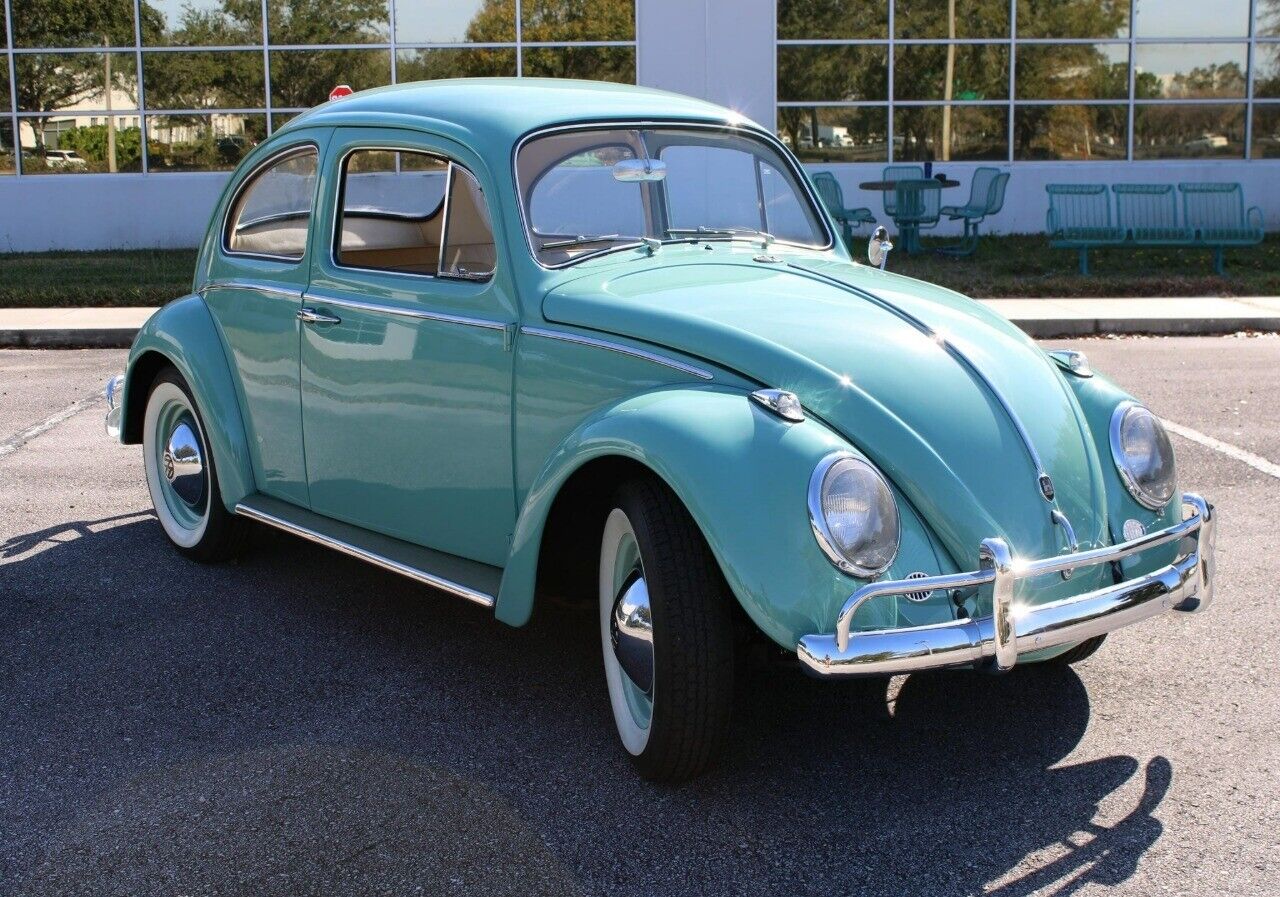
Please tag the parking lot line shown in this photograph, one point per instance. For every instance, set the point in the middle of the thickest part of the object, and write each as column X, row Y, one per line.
column 18, row 440
column 1257, row 462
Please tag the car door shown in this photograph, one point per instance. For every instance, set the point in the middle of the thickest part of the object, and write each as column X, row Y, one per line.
column 406, row 358
column 256, row 276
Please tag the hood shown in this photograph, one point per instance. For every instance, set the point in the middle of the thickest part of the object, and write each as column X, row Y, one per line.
column 930, row 423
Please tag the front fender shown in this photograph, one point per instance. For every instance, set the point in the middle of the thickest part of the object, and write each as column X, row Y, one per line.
column 183, row 333
column 743, row 474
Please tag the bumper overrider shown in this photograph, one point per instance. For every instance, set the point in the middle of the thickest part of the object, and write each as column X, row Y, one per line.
column 1014, row 629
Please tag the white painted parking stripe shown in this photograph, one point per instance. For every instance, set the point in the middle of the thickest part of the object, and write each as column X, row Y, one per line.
column 18, row 440
column 1257, row 462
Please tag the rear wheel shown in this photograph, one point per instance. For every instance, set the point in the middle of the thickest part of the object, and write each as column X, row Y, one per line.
column 666, row 631
column 181, row 476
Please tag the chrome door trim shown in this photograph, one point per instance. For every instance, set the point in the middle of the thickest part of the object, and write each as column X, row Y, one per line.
column 439, row 582
column 403, row 312
column 255, row 286
column 565, row 337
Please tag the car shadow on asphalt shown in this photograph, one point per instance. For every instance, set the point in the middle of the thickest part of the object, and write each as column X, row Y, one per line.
column 942, row 783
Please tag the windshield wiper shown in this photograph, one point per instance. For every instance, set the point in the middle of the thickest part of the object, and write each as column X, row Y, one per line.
column 583, row 240
column 750, row 233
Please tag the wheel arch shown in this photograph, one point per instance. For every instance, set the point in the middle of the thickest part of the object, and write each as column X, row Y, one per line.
column 726, row 459
column 183, row 335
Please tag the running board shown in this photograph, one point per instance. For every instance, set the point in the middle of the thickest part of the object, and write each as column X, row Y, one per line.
column 458, row 576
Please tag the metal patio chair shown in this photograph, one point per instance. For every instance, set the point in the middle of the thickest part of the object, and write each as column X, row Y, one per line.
column 898, row 173
column 918, row 202
column 832, row 197
column 986, row 198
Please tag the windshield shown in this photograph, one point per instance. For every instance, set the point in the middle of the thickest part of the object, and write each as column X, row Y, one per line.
column 595, row 190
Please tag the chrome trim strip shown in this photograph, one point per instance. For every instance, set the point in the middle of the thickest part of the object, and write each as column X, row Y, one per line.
column 252, row 285
column 1012, row 629
column 566, row 337
column 797, row 171
column 402, row 312
column 955, row 352
column 367, row 556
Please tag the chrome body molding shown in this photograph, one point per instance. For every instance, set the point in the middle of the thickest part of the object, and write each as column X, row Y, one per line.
column 370, row 557
column 1014, row 629
column 256, row 286
column 1043, row 480
column 400, row 311
column 566, row 337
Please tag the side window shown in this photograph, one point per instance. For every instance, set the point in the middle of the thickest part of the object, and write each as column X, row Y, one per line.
column 412, row 213
column 468, row 239
column 273, row 211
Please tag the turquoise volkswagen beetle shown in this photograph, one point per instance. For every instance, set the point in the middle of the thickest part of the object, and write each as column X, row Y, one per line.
column 517, row 338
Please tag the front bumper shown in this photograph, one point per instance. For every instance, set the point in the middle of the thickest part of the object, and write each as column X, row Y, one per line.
column 1014, row 629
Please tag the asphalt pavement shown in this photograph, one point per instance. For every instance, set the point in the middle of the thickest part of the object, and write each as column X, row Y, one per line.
column 300, row 723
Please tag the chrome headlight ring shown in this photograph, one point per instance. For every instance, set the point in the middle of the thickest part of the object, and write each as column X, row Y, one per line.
column 863, row 554
column 1150, row 480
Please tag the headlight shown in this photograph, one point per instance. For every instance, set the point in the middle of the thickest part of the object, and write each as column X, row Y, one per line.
column 1143, row 455
column 854, row 515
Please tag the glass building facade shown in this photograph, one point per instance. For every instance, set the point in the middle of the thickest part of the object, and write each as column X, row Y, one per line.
column 1028, row 80
column 190, row 85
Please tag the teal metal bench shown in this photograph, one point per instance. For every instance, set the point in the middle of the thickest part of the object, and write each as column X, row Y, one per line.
column 1217, row 214
column 833, row 198
column 1148, row 214
column 1079, row 218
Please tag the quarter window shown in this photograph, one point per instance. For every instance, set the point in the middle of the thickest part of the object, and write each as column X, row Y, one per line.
column 272, row 214
column 413, row 213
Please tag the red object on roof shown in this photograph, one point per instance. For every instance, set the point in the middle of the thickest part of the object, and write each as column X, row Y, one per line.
column 342, row 90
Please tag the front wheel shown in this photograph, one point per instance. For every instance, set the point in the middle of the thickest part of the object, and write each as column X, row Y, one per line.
column 181, row 476
column 666, row 631
column 1085, row 649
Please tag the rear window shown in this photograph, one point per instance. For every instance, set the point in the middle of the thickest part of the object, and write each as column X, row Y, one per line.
column 272, row 213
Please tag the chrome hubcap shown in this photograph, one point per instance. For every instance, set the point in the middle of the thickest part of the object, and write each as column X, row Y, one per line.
column 631, row 631
column 183, row 464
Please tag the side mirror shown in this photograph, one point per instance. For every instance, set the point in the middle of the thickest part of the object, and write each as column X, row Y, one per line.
column 639, row 170
column 879, row 247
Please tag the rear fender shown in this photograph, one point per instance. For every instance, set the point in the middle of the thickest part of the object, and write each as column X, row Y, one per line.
column 183, row 334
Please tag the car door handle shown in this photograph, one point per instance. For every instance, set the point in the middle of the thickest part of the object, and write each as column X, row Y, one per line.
column 311, row 316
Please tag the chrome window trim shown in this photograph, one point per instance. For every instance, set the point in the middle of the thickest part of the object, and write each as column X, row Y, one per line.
column 404, row 312
column 295, row 149
column 444, row 212
column 818, row 520
column 445, row 585
column 743, row 129
column 566, row 337
column 251, row 285
column 1113, row 436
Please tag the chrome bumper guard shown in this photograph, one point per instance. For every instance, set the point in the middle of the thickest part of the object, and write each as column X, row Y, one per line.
column 1015, row 629
column 114, row 392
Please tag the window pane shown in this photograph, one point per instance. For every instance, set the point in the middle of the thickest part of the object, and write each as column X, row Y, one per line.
column 392, row 211
column 272, row 215
column 1266, row 131
column 976, row 132
column 1073, row 18
column 594, row 63
column 455, row 21
column 38, row 24
column 978, row 71
column 1266, row 80
column 833, row 73
column 579, row 195
column 1188, row 131
column 214, row 142
column 575, row 20
column 844, row 134
column 303, row 78
column 1191, row 18
column 424, row 65
column 973, row 18
column 712, row 187
column 468, row 240
column 1189, row 70
column 81, row 144
column 351, row 22
column 181, row 23
column 205, row 80
column 1071, row 132
column 1268, row 18
column 832, row 19
column 1073, row 71
column 62, row 84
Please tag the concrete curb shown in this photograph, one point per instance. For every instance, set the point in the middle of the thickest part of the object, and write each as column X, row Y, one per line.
column 1053, row 328
column 68, row 338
